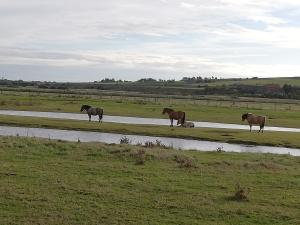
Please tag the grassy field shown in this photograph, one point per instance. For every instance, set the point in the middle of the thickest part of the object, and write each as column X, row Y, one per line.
column 279, row 114
column 295, row 81
column 49, row 182
column 286, row 139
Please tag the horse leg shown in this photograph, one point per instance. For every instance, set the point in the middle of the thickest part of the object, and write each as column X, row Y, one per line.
column 90, row 118
column 99, row 119
column 171, row 122
column 250, row 127
column 261, row 129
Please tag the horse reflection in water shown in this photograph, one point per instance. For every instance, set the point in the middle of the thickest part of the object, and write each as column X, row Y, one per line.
column 253, row 119
column 175, row 115
column 92, row 112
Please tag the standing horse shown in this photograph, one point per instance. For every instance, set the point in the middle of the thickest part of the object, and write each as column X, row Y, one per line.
column 175, row 115
column 252, row 119
column 92, row 112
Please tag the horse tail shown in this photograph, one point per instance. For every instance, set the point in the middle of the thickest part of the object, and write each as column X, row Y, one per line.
column 262, row 125
column 101, row 114
column 264, row 121
column 183, row 118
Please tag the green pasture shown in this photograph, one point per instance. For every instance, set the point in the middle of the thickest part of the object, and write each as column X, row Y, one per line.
column 51, row 182
column 286, row 139
column 279, row 114
column 295, row 81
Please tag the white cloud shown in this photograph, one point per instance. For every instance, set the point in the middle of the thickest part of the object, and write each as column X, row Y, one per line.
column 223, row 36
column 187, row 5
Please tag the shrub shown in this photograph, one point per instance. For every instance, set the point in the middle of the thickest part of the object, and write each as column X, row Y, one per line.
column 149, row 144
column 184, row 161
column 220, row 149
column 241, row 193
column 160, row 144
column 140, row 157
column 125, row 140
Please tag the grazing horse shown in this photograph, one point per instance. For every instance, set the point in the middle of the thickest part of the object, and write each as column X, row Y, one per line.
column 175, row 115
column 252, row 119
column 92, row 112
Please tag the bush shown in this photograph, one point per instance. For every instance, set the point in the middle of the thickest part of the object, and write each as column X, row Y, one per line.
column 140, row 157
column 220, row 149
column 241, row 193
column 184, row 161
column 125, row 140
column 149, row 144
column 160, row 144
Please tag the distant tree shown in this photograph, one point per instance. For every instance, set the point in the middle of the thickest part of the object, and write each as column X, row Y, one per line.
column 287, row 89
column 147, row 80
column 108, row 80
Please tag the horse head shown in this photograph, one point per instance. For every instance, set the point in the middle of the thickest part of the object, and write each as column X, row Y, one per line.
column 84, row 107
column 245, row 116
column 167, row 110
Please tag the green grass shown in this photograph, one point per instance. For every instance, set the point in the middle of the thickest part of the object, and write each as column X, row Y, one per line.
column 286, row 139
column 295, row 81
column 279, row 114
column 49, row 182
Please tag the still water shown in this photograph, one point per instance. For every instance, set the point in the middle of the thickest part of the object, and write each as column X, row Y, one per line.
column 178, row 143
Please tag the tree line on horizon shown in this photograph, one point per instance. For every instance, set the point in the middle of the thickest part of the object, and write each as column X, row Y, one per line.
column 193, row 86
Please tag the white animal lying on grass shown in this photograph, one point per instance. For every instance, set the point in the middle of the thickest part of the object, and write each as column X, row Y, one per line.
column 188, row 124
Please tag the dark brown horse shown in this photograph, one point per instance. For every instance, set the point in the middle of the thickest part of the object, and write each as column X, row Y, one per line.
column 252, row 119
column 175, row 115
column 92, row 112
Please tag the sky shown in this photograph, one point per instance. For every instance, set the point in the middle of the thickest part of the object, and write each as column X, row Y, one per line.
column 76, row 40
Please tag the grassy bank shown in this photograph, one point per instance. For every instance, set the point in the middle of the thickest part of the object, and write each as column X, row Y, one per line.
column 279, row 114
column 50, row 182
column 286, row 139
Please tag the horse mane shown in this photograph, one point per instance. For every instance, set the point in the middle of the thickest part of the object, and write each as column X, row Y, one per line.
column 245, row 115
column 85, row 107
column 169, row 109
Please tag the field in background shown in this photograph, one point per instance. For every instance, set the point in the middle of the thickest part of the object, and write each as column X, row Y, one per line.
column 280, row 112
column 188, row 87
column 51, row 182
column 259, row 81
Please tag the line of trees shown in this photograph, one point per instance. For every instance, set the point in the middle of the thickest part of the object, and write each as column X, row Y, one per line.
column 169, row 87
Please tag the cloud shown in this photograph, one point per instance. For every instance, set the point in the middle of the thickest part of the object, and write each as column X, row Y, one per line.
column 187, row 5
column 227, row 37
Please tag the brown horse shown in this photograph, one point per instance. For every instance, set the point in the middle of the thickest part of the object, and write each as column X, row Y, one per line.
column 252, row 119
column 92, row 112
column 175, row 115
